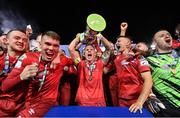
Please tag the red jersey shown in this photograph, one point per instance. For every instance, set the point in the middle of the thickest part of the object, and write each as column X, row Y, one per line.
column 10, row 60
column 129, row 71
column 50, row 86
column 13, row 92
column 175, row 44
column 90, row 90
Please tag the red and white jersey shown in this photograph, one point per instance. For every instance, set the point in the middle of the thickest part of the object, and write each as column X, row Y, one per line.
column 129, row 72
column 90, row 89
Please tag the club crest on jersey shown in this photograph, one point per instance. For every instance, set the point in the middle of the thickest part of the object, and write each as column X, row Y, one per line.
column 144, row 63
column 124, row 62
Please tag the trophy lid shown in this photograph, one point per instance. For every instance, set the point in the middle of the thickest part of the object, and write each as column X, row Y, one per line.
column 96, row 22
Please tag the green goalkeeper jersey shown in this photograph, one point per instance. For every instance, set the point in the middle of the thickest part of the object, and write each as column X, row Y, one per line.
column 166, row 77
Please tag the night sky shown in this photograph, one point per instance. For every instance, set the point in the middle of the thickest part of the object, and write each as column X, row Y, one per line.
column 68, row 17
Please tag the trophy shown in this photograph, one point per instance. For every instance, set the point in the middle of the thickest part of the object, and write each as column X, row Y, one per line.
column 95, row 24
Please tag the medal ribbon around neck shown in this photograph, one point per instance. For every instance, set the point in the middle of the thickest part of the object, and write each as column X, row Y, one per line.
column 44, row 73
column 6, row 64
column 90, row 67
column 7, row 67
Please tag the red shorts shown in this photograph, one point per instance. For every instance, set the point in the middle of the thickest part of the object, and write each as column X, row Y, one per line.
column 38, row 109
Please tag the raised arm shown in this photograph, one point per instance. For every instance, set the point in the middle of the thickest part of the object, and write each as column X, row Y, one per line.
column 106, row 43
column 123, row 28
column 72, row 49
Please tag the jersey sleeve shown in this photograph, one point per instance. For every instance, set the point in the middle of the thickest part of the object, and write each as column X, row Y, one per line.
column 143, row 65
column 13, row 77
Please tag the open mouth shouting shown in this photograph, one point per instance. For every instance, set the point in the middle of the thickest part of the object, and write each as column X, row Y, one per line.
column 89, row 56
column 50, row 55
column 168, row 41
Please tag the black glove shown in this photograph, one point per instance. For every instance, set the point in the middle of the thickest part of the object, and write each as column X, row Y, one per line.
column 154, row 104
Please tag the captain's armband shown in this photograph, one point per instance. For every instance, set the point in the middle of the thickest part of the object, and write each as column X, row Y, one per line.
column 77, row 60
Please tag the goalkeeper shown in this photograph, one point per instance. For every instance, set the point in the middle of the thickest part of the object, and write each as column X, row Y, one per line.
column 165, row 66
